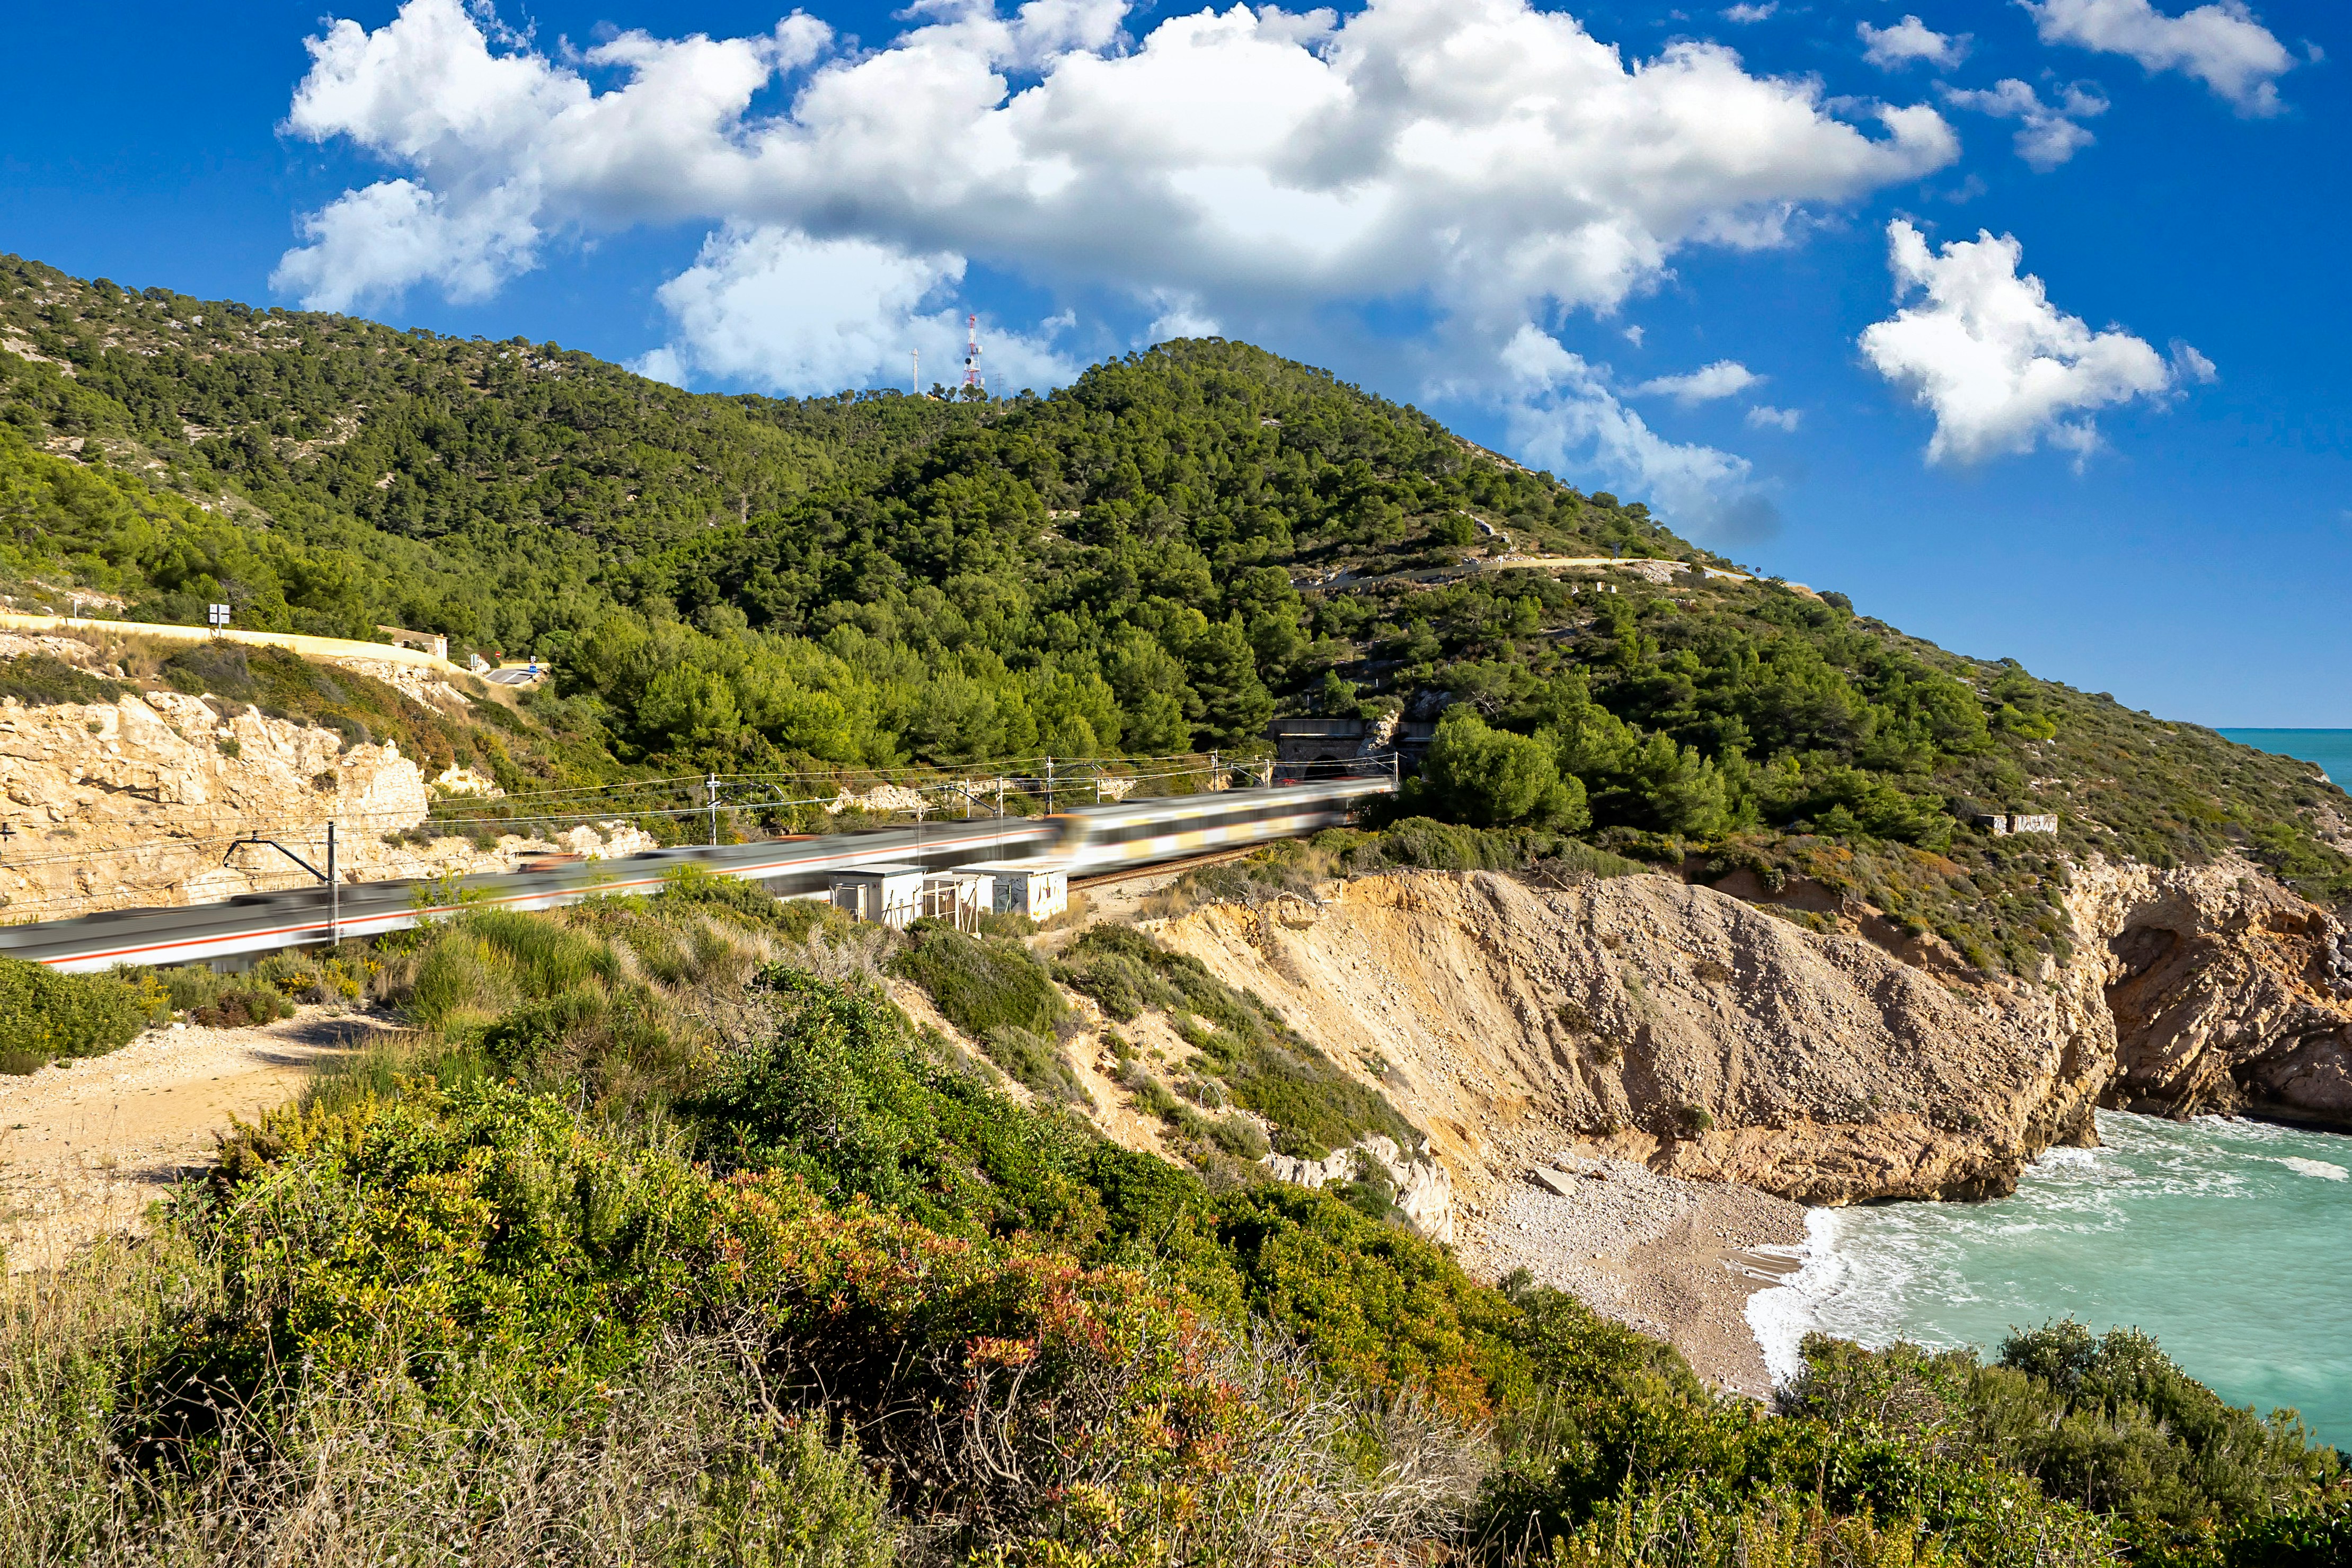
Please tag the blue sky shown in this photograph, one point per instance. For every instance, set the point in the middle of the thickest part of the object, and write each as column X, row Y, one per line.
column 1657, row 252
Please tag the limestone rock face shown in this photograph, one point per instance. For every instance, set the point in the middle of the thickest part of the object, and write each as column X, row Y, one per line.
column 1672, row 1024
column 1425, row 1189
column 137, row 803
column 1649, row 1020
column 2228, row 992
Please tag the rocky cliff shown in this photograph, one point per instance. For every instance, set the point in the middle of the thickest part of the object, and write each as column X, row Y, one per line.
column 1708, row 1038
column 1666, row 1022
column 2226, row 993
column 139, row 801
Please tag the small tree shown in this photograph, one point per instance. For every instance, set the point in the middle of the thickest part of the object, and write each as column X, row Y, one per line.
column 1490, row 778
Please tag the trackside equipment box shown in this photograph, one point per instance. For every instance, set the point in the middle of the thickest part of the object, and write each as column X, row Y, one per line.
column 888, row 895
column 1039, row 889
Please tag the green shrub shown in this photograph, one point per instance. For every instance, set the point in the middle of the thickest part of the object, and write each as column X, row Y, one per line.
column 981, row 984
column 1036, row 1063
column 39, row 680
column 1240, row 1137
column 237, row 1001
column 243, row 1005
column 2110, row 1420
column 46, row 1015
column 460, row 977
column 732, row 898
column 315, row 977
column 1490, row 778
column 2105, row 1421
column 1314, row 1107
column 1425, row 843
column 217, row 668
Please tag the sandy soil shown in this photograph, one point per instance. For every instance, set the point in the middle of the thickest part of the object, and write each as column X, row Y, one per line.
column 85, row 1148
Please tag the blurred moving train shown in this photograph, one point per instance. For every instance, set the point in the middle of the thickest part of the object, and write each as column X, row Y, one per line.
column 1089, row 841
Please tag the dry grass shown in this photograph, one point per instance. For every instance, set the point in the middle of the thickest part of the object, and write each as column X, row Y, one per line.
column 715, row 1450
column 687, row 1462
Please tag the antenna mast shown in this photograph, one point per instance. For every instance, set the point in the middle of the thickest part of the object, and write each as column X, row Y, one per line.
column 918, row 357
column 973, row 380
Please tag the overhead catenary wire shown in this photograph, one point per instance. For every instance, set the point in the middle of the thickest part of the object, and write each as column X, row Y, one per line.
column 615, row 813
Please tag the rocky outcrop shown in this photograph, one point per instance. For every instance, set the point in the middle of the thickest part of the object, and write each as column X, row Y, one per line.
column 1674, row 1024
column 2227, row 992
column 140, row 801
column 1422, row 1189
column 1682, row 1027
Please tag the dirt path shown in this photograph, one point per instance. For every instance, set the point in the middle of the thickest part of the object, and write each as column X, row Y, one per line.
column 85, row 1148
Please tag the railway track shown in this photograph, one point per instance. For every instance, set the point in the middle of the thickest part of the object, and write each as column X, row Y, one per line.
column 1161, row 868
column 1109, row 841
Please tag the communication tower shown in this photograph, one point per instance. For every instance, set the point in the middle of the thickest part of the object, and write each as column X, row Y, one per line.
column 972, row 376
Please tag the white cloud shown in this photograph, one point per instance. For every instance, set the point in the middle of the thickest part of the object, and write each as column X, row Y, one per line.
column 1563, row 415
column 772, row 307
column 2047, row 133
column 379, row 240
column 1999, row 367
column 1908, row 42
column 1725, row 377
column 1634, row 335
column 662, row 364
column 2220, row 45
column 1179, row 315
column 1489, row 160
column 1745, row 13
column 1764, row 416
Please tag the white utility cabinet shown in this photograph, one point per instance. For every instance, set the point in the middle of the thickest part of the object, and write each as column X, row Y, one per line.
column 1039, row 889
column 888, row 895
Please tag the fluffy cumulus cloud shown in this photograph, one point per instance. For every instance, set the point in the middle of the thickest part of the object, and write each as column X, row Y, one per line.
column 772, row 307
column 1910, row 42
column 1562, row 414
column 1486, row 161
column 1764, row 416
column 1725, row 377
column 2002, row 369
column 382, row 240
column 2048, row 133
column 2222, row 45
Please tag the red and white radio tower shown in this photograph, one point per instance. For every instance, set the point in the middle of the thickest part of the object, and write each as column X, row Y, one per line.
column 972, row 376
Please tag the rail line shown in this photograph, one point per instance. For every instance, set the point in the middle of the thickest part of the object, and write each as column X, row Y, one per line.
column 1092, row 843
column 1159, row 868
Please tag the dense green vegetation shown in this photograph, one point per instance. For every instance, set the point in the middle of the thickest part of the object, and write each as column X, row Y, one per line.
column 1152, row 560
column 47, row 1016
column 666, row 1239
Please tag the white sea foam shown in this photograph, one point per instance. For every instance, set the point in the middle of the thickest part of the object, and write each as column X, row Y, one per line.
column 1780, row 1316
column 2180, row 1229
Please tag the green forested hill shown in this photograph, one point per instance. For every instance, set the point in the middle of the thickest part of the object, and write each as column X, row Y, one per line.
column 748, row 583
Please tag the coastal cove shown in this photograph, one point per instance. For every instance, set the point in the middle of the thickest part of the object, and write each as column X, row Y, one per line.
column 2230, row 1240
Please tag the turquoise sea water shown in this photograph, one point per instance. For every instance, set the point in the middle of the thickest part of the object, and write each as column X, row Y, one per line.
column 2229, row 1240
column 2331, row 748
